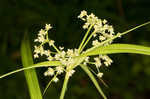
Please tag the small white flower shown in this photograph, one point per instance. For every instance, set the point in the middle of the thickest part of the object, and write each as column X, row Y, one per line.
column 87, row 59
column 95, row 42
column 59, row 69
column 57, row 56
column 49, row 72
column 36, row 49
column 40, row 39
column 102, row 38
column 104, row 21
column 76, row 52
column 71, row 72
column 36, row 55
column 42, row 32
column 50, row 58
column 61, row 48
column 51, row 42
column 55, row 79
column 47, row 27
column 97, row 62
column 62, row 54
column 100, row 74
column 47, row 52
column 42, row 51
column 94, row 35
column 70, row 52
column 86, row 25
column 82, row 14
column 84, row 63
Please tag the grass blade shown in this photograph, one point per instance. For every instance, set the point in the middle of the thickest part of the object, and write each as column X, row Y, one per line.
column 30, row 75
column 41, row 64
column 119, row 48
column 88, row 72
column 119, row 35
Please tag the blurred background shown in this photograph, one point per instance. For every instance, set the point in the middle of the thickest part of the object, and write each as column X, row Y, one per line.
column 128, row 77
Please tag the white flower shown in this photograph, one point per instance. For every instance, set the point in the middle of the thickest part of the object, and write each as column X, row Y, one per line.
column 82, row 14
column 51, row 42
column 57, row 56
column 102, row 38
column 36, row 49
column 107, row 60
column 104, row 21
column 61, row 48
column 71, row 72
column 47, row 27
column 55, row 79
column 70, row 52
column 49, row 72
column 59, row 69
column 87, row 59
column 47, row 52
column 42, row 32
column 100, row 74
column 97, row 62
column 50, row 58
column 42, row 51
column 86, row 25
column 62, row 54
column 36, row 55
column 95, row 42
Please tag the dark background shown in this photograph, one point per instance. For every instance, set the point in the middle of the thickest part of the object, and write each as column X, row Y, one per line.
column 127, row 78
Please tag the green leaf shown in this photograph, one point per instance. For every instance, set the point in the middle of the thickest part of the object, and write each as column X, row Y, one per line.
column 41, row 64
column 119, row 35
column 30, row 75
column 88, row 72
column 118, row 48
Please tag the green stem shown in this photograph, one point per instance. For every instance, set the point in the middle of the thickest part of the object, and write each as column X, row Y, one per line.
column 135, row 28
column 49, row 84
column 87, row 41
column 79, row 49
column 56, row 48
column 64, row 88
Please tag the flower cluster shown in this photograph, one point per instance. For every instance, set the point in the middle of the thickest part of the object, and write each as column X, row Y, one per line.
column 65, row 57
column 100, row 31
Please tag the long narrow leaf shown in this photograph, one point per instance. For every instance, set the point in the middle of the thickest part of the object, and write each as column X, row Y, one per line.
column 88, row 72
column 30, row 75
column 119, row 35
column 41, row 64
column 119, row 48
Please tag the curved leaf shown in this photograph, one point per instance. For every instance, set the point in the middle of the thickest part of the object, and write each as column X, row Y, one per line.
column 88, row 72
column 118, row 48
column 41, row 64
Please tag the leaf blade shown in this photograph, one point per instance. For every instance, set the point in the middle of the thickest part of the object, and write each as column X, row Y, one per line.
column 88, row 72
column 30, row 75
column 119, row 48
column 38, row 65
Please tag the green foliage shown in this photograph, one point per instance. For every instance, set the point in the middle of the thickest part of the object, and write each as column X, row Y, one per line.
column 31, row 77
column 130, row 79
column 119, row 48
column 88, row 72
